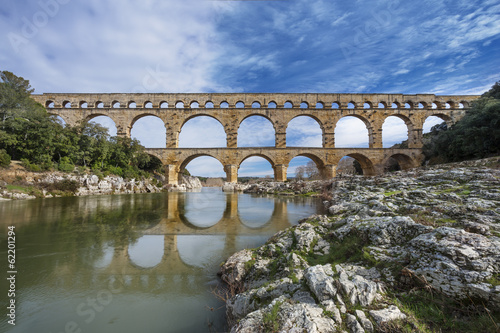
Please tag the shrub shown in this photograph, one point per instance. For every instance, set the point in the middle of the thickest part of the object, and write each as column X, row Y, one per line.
column 65, row 165
column 30, row 166
column 4, row 158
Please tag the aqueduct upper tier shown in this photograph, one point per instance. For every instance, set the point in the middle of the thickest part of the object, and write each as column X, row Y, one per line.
column 232, row 108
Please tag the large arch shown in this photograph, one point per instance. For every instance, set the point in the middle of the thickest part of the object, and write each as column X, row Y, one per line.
column 149, row 130
column 206, row 164
column 256, row 130
column 104, row 121
column 366, row 164
column 405, row 162
column 395, row 129
column 304, row 131
column 302, row 161
column 434, row 120
column 256, row 165
column 352, row 131
column 202, row 131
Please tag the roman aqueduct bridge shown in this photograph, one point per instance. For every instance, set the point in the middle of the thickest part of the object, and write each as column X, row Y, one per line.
column 232, row 108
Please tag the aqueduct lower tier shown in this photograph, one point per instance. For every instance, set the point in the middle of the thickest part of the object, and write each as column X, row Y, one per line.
column 231, row 109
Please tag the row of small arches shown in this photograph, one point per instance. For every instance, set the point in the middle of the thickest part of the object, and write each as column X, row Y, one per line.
column 273, row 105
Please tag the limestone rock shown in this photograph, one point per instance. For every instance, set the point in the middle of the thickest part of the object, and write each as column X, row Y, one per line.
column 387, row 314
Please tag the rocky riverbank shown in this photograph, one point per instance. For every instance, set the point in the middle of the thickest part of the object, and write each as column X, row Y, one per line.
column 415, row 251
column 18, row 184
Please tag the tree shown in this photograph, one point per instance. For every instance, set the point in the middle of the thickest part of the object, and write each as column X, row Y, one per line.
column 477, row 135
column 494, row 92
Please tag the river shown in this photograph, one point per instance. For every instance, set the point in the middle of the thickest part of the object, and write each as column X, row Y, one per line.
column 132, row 263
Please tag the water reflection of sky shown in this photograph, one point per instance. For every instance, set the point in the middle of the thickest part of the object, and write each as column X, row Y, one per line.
column 206, row 208
column 147, row 251
column 254, row 212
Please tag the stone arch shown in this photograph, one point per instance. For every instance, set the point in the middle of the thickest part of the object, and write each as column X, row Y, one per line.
column 49, row 104
column 83, row 104
column 66, row 104
column 444, row 117
column 263, row 139
column 272, row 105
column 113, row 130
column 318, row 161
column 289, row 129
column 115, row 104
column 368, row 127
column 407, row 122
column 194, row 104
column 366, row 164
column 211, row 116
column 263, row 155
column 153, row 129
column 405, row 162
column 315, row 158
column 183, row 164
column 256, row 105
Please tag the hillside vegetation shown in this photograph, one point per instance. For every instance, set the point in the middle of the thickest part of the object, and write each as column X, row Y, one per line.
column 28, row 133
column 477, row 135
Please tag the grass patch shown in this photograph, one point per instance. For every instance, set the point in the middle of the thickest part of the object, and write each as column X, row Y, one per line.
column 494, row 280
column 270, row 319
column 17, row 188
column 388, row 194
column 438, row 313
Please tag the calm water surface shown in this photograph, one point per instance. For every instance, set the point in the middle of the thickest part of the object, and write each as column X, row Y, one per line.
column 132, row 263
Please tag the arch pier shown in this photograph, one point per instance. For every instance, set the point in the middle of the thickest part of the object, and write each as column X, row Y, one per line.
column 233, row 108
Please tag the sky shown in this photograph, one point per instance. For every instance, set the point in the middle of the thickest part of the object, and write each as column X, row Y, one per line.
column 323, row 46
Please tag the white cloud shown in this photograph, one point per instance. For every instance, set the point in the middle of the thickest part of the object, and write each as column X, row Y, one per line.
column 351, row 132
column 202, row 132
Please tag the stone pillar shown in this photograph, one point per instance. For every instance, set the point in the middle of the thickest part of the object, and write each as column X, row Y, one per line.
column 329, row 140
column 232, row 139
column 280, row 172
column 375, row 135
column 329, row 171
column 415, row 139
column 231, row 173
column 281, row 140
column 123, row 131
column 172, row 139
column 172, row 174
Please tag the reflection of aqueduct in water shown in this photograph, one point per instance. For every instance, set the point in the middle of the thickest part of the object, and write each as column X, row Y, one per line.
column 172, row 226
column 231, row 109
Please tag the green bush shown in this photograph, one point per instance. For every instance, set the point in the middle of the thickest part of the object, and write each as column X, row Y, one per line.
column 4, row 158
column 65, row 165
column 30, row 166
column 115, row 170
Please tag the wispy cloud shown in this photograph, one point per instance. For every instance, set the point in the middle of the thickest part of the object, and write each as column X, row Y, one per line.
column 430, row 46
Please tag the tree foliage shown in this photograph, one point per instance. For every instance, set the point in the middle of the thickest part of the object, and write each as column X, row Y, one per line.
column 28, row 133
column 477, row 135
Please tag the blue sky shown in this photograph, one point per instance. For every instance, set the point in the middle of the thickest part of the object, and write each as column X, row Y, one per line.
column 389, row 46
